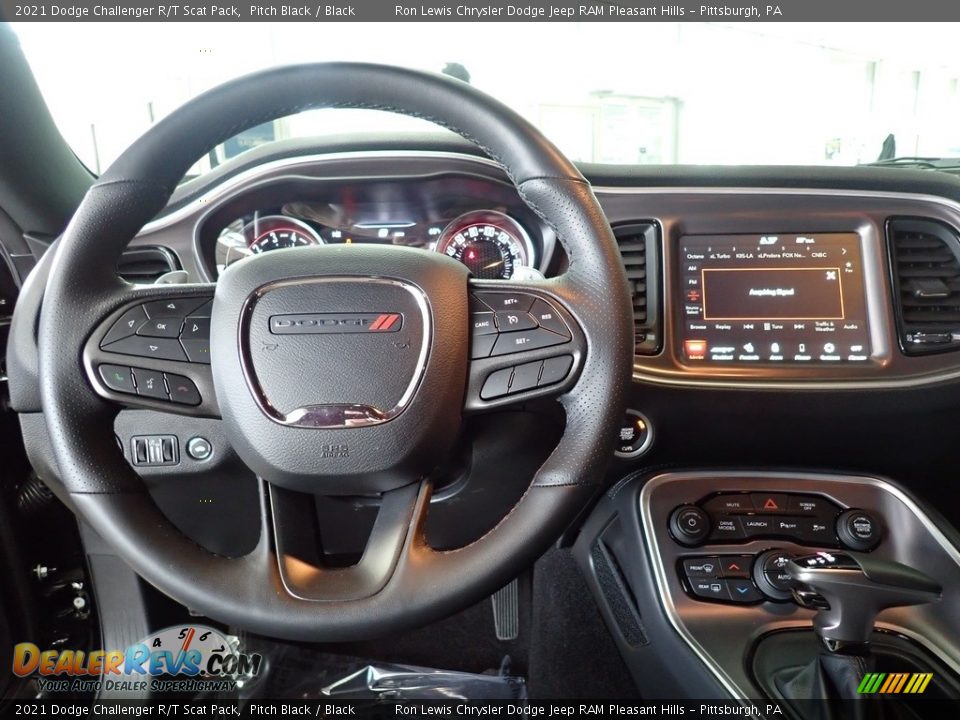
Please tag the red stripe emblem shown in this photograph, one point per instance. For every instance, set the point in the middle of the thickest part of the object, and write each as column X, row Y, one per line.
column 384, row 322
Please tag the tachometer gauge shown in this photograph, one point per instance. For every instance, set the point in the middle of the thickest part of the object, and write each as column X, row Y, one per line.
column 492, row 245
column 275, row 232
column 263, row 233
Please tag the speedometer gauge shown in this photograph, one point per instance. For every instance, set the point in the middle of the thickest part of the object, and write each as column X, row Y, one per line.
column 492, row 245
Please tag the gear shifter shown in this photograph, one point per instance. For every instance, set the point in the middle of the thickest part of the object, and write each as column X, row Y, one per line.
column 848, row 590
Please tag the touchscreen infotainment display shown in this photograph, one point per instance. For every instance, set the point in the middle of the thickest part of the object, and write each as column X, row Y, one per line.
column 778, row 298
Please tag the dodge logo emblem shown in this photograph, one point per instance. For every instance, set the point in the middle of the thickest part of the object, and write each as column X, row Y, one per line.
column 335, row 323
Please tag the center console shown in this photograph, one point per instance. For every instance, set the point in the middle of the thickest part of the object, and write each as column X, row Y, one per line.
column 701, row 560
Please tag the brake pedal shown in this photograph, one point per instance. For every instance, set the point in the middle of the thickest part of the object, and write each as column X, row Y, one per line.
column 506, row 611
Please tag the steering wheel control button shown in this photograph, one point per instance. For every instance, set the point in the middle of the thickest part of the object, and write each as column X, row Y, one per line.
column 513, row 342
column 150, row 384
column 547, row 317
column 482, row 323
column 183, row 391
column 506, row 302
column 525, row 377
column 162, row 327
column 555, row 370
column 154, row 450
column 118, row 378
column 858, row 530
column 513, row 321
column 634, row 436
column 481, row 345
column 199, row 448
column 198, row 351
column 127, row 325
column 701, row 568
column 196, row 328
column 148, row 347
column 173, row 307
column 497, row 385
column 689, row 525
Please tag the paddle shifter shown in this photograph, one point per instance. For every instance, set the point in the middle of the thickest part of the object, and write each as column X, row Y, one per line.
column 850, row 589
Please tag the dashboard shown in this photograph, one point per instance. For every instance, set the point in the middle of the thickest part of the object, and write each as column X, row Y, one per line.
column 733, row 287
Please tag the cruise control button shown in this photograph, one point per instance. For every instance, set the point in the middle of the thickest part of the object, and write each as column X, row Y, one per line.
column 506, row 302
column 126, row 326
column 150, row 384
column 710, row 589
column 555, row 369
column 482, row 323
column 163, row 348
column 162, row 327
column 549, row 318
column 512, row 321
column 523, row 340
column 481, row 345
column 198, row 350
column 769, row 502
column 525, row 377
column 497, row 384
column 196, row 327
column 743, row 591
column 736, row 566
column 118, row 377
column 183, row 390
column 701, row 568
column 173, row 307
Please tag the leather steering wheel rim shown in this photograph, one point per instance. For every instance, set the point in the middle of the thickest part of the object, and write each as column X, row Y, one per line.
column 425, row 584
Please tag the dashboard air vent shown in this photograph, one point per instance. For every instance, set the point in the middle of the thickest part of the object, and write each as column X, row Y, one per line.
column 925, row 265
column 640, row 249
column 145, row 264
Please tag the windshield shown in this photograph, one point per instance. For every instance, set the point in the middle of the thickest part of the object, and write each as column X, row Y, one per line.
column 805, row 93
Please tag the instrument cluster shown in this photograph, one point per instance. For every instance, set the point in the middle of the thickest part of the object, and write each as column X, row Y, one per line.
column 475, row 221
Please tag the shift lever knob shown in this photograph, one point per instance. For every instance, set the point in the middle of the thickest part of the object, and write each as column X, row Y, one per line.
column 850, row 589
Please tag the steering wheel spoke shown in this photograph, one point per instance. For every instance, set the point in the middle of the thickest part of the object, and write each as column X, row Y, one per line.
column 299, row 549
column 524, row 344
column 153, row 350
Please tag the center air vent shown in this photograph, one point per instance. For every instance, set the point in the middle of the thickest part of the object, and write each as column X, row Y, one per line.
column 925, row 263
column 145, row 264
column 640, row 249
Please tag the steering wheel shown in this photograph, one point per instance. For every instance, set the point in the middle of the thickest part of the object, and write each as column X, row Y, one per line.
column 337, row 369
